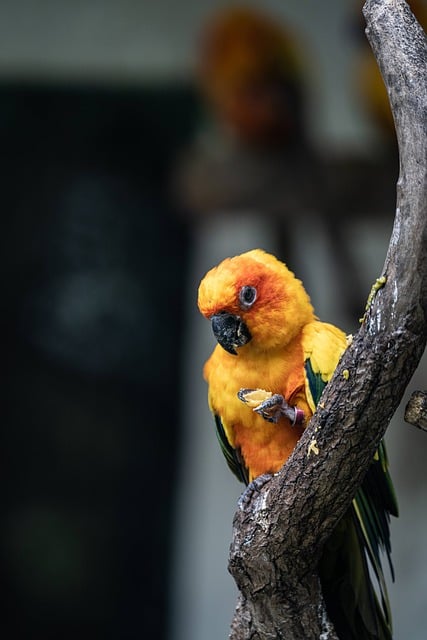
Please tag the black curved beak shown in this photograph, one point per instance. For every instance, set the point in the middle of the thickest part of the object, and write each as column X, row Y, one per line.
column 230, row 331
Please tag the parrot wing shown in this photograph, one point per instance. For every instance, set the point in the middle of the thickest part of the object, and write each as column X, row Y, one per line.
column 323, row 345
column 364, row 531
column 231, row 455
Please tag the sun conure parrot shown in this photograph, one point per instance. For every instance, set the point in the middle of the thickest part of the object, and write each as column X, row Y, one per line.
column 265, row 376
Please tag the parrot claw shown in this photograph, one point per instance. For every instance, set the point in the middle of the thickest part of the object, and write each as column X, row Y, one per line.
column 270, row 406
column 253, row 489
column 275, row 407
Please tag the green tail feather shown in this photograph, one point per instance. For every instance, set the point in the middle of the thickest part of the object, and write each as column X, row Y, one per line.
column 350, row 598
column 350, row 569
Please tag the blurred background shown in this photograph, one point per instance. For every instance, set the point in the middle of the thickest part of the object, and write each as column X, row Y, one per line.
column 142, row 142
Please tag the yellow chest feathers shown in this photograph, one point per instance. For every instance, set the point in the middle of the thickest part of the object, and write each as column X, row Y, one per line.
column 264, row 446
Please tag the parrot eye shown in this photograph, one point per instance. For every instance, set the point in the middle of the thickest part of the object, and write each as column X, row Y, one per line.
column 247, row 296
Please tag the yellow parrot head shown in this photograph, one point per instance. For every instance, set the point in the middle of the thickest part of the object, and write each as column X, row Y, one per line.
column 254, row 302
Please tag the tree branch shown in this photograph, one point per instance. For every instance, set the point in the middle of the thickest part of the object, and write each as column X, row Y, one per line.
column 279, row 535
column 416, row 410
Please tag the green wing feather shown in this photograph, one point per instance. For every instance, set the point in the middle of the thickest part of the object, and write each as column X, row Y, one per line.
column 232, row 455
column 315, row 382
column 359, row 611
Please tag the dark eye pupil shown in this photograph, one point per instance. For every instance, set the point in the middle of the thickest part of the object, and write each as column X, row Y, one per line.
column 247, row 295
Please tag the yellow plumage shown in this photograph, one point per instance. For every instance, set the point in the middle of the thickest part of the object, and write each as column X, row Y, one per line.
column 285, row 333
column 265, row 379
column 323, row 345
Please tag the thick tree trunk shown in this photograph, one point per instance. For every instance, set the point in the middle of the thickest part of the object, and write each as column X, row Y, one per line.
column 279, row 534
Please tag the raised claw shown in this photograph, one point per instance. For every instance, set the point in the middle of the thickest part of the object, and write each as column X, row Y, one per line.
column 274, row 408
column 270, row 406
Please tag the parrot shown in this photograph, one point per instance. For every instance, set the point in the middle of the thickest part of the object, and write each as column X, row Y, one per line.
column 265, row 377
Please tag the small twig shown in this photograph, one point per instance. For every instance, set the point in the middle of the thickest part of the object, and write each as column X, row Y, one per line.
column 416, row 410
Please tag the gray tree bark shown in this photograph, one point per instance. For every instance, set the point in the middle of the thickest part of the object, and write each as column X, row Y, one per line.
column 279, row 534
column 416, row 410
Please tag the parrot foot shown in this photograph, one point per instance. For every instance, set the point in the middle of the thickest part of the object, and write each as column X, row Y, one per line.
column 273, row 407
column 253, row 489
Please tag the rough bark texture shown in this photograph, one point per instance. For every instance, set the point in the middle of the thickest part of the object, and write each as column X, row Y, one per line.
column 278, row 535
column 416, row 410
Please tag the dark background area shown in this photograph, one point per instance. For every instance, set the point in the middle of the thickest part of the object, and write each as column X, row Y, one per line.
column 93, row 259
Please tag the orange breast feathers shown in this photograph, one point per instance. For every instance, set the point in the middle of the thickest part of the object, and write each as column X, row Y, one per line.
column 258, row 310
column 263, row 446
